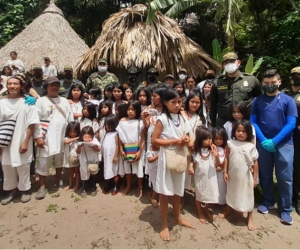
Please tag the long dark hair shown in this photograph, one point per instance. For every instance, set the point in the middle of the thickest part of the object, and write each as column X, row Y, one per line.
column 108, row 104
column 221, row 132
column 120, row 87
column 202, row 133
column 75, row 126
column 200, row 109
column 107, row 88
column 81, row 97
column 183, row 94
column 111, row 121
column 6, row 67
column 96, row 92
column 122, row 109
column 248, row 127
column 86, row 130
column 242, row 107
column 169, row 95
column 137, row 107
column 91, row 109
column 147, row 93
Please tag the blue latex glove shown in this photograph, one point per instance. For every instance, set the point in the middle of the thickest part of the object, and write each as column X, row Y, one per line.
column 30, row 100
column 269, row 145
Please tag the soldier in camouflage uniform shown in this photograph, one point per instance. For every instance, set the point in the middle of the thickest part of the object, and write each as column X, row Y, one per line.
column 151, row 77
column 38, row 81
column 132, row 75
column 294, row 92
column 67, row 81
column 102, row 77
column 230, row 87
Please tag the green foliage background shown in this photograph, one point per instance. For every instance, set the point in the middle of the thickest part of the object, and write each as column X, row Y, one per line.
column 268, row 28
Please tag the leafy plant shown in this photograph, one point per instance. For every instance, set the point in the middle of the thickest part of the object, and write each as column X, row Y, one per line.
column 218, row 53
column 250, row 68
column 52, row 208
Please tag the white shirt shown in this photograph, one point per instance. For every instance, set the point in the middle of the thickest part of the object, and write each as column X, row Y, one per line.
column 18, row 63
column 50, row 70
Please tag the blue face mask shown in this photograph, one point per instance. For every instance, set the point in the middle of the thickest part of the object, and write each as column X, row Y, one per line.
column 271, row 88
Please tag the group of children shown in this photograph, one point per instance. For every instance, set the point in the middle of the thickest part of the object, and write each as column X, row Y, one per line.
column 136, row 136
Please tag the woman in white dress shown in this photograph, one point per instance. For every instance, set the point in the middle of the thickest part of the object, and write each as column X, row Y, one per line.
column 241, row 172
column 171, row 130
column 17, row 156
column 6, row 73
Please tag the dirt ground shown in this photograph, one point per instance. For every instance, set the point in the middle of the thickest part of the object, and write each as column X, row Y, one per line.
column 65, row 220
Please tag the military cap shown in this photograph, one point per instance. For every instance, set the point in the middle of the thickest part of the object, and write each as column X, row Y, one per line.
column 182, row 70
column 229, row 55
column 295, row 70
column 169, row 76
column 68, row 68
column 153, row 71
column 102, row 60
column 37, row 67
column 132, row 70
column 47, row 58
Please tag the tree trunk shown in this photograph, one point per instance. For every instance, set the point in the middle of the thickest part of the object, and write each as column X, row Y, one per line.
column 231, row 43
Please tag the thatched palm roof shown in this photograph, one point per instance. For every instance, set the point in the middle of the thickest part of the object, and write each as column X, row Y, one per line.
column 51, row 35
column 126, row 40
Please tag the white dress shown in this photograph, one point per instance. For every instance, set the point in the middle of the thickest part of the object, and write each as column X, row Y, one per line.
column 70, row 149
column 129, row 132
column 152, row 167
column 220, row 176
column 77, row 108
column 240, row 192
column 86, row 155
column 206, row 182
column 194, row 121
column 109, row 147
column 89, row 122
column 27, row 115
column 168, row 183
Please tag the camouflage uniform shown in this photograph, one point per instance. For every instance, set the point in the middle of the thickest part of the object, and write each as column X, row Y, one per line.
column 296, row 139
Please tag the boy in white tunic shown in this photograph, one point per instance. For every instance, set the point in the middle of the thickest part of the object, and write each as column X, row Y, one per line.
column 57, row 111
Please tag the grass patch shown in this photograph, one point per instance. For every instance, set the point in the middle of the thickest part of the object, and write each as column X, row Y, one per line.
column 52, row 208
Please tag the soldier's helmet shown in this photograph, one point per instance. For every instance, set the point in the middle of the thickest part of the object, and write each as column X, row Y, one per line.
column 153, row 71
column 133, row 70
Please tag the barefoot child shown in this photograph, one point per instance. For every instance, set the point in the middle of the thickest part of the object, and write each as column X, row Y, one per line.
column 171, row 131
column 203, row 167
column 132, row 140
column 219, row 137
column 110, row 151
column 88, row 149
column 70, row 161
column 242, row 157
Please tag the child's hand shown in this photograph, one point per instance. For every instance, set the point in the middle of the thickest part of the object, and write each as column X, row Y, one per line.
column 186, row 139
column 123, row 155
column 40, row 142
column 218, row 169
column 191, row 146
column 179, row 142
column 226, row 177
column 137, row 156
column 191, row 170
column 215, row 153
column 115, row 159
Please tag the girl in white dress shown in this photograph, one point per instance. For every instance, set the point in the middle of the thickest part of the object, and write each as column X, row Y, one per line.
column 193, row 112
column 132, row 140
column 89, row 118
column 239, row 111
column 76, row 100
column 241, row 171
column 150, row 116
column 110, row 151
column 203, row 168
column 118, row 96
column 88, row 149
column 171, row 130
column 105, row 109
column 219, row 138
column 71, row 143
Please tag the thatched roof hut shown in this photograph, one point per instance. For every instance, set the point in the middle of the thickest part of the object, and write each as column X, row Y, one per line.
column 50, row 35
column 126, row 40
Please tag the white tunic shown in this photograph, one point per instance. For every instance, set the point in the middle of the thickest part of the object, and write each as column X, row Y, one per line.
column 152, row 167
column 222, row 185
column 89, row 122
column 240, row 193
column 168, row 183
column 109, row 147
column 129, row 132
column 18, row 63
column 49, row 71
column 206, row 183
column 87, row 154
column 77, row 109
column 54, row 138
column 228, row 127
column 27, row 115
column 70, row 149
